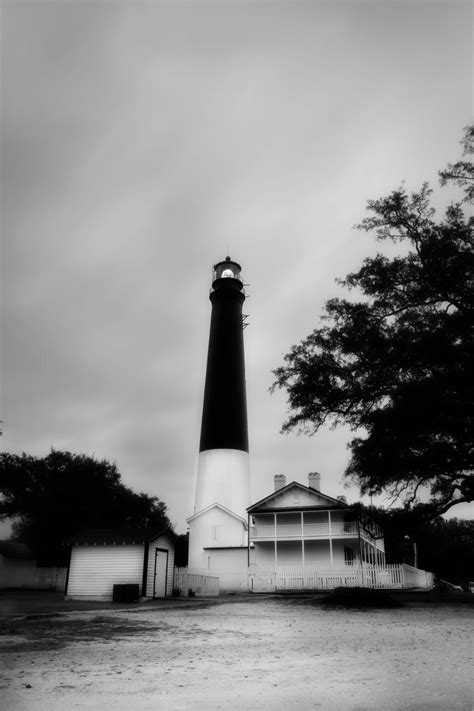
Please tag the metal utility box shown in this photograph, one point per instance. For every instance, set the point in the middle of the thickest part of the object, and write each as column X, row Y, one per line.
column 125, row 593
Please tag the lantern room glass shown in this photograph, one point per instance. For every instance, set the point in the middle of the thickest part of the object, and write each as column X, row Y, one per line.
column 227, row 269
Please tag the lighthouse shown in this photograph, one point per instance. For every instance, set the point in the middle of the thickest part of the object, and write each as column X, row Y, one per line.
column 218, row 525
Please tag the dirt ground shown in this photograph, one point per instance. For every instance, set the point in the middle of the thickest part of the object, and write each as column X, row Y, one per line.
column 252, row 652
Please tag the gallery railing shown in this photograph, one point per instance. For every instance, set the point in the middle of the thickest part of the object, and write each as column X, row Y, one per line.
column 336, row 528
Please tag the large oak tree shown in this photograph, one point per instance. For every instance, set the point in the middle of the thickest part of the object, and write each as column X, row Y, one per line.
column 395, row 362
column 52, row 498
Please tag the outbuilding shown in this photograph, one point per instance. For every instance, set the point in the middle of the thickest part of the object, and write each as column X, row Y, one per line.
column 104, row 558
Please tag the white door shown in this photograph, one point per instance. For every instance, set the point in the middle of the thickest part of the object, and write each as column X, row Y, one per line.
column 161, row 569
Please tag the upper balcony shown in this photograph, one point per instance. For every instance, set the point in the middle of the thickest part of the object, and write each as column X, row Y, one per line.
column 305, row 530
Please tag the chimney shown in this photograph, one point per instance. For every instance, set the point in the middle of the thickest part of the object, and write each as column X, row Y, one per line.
column 342, row 499
column 314, row 480
column 279, row 481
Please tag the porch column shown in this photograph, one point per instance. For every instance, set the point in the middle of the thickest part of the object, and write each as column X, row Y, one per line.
column 302, row 539
column 330, row 539
column 275, row 541
column 248, row 541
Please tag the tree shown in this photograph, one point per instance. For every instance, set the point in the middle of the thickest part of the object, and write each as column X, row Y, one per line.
column 54, row 497
column 397, row 365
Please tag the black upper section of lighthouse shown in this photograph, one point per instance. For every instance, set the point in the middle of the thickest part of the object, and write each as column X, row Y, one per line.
column 224, row 415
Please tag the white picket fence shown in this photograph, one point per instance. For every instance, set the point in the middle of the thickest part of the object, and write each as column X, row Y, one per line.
column 325, row 577
column 319, row 577
column 196, row 582
column 304, row 579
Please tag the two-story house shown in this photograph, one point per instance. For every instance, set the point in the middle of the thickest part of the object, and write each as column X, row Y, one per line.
column 297, row 531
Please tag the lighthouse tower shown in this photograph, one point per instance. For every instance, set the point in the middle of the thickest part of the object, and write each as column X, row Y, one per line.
column 218, row 526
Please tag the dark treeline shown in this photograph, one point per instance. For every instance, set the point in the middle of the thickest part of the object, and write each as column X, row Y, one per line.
column 52, row 498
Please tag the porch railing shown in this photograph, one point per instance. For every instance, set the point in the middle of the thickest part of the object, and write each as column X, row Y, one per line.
column 337, row 528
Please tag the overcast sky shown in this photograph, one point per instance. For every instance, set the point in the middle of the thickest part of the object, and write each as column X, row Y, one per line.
column 145, row 141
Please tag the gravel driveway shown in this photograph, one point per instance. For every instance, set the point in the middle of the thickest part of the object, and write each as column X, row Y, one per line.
column 254, row 653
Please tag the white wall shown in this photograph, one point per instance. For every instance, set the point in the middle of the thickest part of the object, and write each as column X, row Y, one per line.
column 231, row 567
column 289, row 552
column 228, row 560
column 338, row 549
column 213, row 528
column 264, row 552
column 94, row 570
column 317, row 551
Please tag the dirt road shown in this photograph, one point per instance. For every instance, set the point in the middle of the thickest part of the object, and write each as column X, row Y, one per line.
column 257, row 653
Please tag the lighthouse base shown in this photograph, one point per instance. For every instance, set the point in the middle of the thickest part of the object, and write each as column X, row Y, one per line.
column 223, row 476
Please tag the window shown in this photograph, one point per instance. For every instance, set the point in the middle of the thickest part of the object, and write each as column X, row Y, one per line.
column 215, row 533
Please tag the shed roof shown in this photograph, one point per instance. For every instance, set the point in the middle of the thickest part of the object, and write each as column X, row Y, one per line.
column 118, row 536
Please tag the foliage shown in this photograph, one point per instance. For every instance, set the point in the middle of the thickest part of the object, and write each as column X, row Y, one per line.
column 54, row 497
column 396, row 366
column 462, row 172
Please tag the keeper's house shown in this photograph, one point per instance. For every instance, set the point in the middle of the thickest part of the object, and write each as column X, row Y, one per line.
column 102, row 559
column 300, row 525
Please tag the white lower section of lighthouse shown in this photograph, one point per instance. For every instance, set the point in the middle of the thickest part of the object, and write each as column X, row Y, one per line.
column 223, row 476
column 218, row 526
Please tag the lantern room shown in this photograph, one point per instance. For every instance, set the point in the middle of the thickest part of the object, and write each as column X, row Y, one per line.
column 227, row 270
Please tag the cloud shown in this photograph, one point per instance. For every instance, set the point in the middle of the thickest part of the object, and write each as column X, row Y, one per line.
column 141, row 143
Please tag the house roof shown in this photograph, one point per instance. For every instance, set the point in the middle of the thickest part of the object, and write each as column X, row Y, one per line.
column 332, row 503
column 218, row 506
column 117, row 536
column 18, row 551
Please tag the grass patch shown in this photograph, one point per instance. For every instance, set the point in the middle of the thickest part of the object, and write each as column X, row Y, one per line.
column 41, row 632
column 361, row 598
